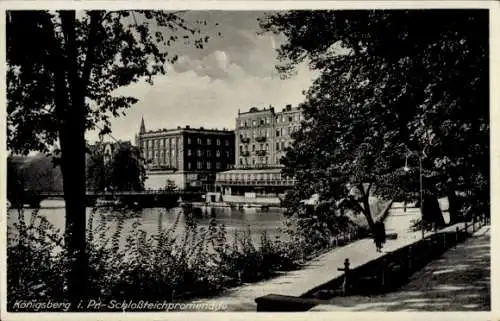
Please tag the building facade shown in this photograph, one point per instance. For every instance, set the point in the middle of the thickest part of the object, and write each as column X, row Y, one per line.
column 261, row 137
column 188, row 157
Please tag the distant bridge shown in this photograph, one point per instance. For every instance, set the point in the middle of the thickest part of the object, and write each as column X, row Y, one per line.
column 146, row 198
column 119, row 193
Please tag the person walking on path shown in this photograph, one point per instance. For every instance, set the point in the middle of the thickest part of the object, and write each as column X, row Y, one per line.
column 379, row 235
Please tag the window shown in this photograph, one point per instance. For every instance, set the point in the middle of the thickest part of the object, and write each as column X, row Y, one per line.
column 261, row 146
column 290, row 118
column 253, row 148
column 267, row 160
column 209, row 141
column 150, row 143
column 209, row 153
column 209, row 165
column 296, row 117
column 277, row 146
column 198, row 152
column 262, row 121
column 254, row 122
column 174, row 141
column 144, row 145
column 217, row 165
column 268, row 121
column 227, row 142
column 150, row 155
column 189, row 140
column 161, row 142
column 267, row 146
column 198, row 141
column 246, row 148
column 199, row 165
column 241, row 161
column 277, row 133
column 241, row 147
column 218, row 142
column 228, row 154
column 242, row 123
column 189, row 165
column 218, row 153
column 189, row 152
column 253, row 161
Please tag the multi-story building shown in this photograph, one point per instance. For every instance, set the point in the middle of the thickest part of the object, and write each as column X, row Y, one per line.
column 188, row 157
column 262, row 136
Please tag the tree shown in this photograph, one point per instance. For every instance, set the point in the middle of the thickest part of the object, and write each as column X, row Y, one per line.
column 388, row 89
column 62, row 76
column 127, row 170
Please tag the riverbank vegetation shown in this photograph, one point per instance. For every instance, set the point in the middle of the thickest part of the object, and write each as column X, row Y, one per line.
column 178, row 262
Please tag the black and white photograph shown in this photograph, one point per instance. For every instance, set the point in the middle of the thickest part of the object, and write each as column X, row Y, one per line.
column 272, row 159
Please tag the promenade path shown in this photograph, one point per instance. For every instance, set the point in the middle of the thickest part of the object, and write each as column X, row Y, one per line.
column 321, row 269
column 458, row 281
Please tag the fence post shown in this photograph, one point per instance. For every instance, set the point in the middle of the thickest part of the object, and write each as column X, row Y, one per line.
column 409, row 259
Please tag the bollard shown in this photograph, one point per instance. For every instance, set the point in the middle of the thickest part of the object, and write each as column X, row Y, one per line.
column 345, row 284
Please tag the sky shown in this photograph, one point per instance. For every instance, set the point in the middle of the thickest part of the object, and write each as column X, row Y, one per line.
column 235, row 71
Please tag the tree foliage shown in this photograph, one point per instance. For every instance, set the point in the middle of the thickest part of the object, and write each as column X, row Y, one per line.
column 63, row 72
column 394, row 86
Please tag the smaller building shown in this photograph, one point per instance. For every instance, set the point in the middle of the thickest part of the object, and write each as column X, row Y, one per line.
column 187, row 157
column 263, row 181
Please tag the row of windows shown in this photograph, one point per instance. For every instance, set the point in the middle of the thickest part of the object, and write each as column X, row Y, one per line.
column 167, row 153
column 279, row 146
column 157, row 143
column 267, row 120
column 254, row 161
column 253, row 176
column 200, row 153
column 286, row 131
column 256, row 133
column 208, row 141
column 262, row 146
column 266, row 133
column 205, row 165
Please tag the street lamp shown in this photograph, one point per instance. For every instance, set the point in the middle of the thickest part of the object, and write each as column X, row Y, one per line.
column 407, row 169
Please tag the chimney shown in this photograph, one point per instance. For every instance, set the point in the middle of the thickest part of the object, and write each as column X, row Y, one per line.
column 202, row 128
column 288, row 107
column 188, row 127
column 178, row 127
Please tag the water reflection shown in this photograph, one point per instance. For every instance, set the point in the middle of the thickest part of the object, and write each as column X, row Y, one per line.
column 234, row 220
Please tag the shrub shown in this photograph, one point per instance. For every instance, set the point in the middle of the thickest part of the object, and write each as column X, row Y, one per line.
column 167, row 266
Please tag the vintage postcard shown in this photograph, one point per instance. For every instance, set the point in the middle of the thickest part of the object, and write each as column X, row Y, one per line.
column 316, row 159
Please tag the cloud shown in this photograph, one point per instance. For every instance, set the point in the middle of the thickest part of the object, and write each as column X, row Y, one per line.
column 195, row 98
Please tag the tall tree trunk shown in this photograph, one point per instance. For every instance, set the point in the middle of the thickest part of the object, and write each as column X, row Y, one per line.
column 73, row 167
column 367, row 213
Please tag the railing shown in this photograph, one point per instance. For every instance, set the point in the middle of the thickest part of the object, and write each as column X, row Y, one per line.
column 262, row 182
column 120, row 193
column 259, row 166
column 383, row 274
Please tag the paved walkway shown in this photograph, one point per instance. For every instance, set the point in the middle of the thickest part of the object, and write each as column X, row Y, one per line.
column 318, row 271
column 458, row 281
